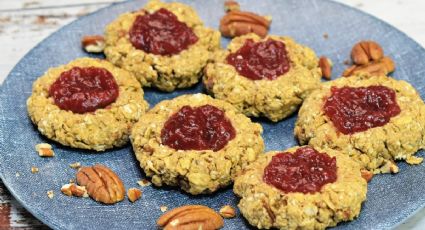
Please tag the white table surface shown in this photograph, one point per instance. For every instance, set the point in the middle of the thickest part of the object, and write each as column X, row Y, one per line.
column 24, row 23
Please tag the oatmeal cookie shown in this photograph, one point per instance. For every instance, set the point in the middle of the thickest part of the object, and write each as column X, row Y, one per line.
column 166, row 71
column 195, row 142
column 99, row 128
column 266, row 206
column 384, row 121
column 275, row 96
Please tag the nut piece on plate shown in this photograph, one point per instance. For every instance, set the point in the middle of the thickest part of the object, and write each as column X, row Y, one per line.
column 102, row 184
column 365, row 52
column 163, row 208
column 44, row 150
column 74, row 190
column 93, row 43
column 227, row 212
column 34, row 170
column 50, row 194
column 236, row 23
column 191, row 217
column 325, row 65
column 383, row 66
column 134, row 194
column 144, row 182
column 368, row 57
column 75, row 165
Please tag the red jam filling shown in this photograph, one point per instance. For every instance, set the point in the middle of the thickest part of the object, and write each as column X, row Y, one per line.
column 198, row 128
column 354, row 110
column 161, row 33
column 260, row 60
column 82, row 90
column 306, row 170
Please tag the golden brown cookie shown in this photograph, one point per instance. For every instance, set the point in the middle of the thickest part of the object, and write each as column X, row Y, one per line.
column 198, row 167
column 99, row 130
column 165, row 72
column 274, row 99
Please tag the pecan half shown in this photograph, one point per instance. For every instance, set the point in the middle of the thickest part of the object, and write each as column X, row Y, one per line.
column 102, row 184
column 365, row 52
column 325, row 65
column 383, row 66
column 191, row 217
column 237, row 23
column 93, row 43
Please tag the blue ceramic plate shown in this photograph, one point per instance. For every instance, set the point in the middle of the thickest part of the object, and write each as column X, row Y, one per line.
column 391, row 198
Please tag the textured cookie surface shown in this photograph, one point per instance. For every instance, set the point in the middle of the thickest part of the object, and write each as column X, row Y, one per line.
column 99, row 130
column 163, row 72
column 265, row 206
column 195, row 171
column 274, row 99
column 376, row 148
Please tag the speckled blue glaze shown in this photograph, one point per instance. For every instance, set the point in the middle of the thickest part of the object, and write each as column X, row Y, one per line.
column 391, row 198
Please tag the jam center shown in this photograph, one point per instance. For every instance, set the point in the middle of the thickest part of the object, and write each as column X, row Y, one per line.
column 306, row 170
column 199, row 128
column 82, row 90
column 161, row 33
column 260, row 60
column 354, row 110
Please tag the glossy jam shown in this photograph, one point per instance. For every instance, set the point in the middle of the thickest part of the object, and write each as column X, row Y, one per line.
column 354, row 110
column 198, row 128
column 82, row 90
column 161, row 33
column 260, row 60
column 306, row 171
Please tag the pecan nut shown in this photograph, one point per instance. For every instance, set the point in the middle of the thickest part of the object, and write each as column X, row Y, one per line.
column 102, row 184
column 191, row 217
column 365, row 52
column 134, row 194
column 325, row 65
column 383, row 66
column 44, row 150
column 227, row 212
column 93, row 43
column 237, row 23
column 74, row 190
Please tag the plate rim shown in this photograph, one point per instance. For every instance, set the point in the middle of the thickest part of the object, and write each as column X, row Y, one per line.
column 52, row 224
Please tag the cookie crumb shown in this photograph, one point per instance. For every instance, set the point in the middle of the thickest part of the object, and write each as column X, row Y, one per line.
column 34, row 170
column 163, row 208
column 325, row 35
column 75, row 165
column 414, row 160
column 50, row 194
